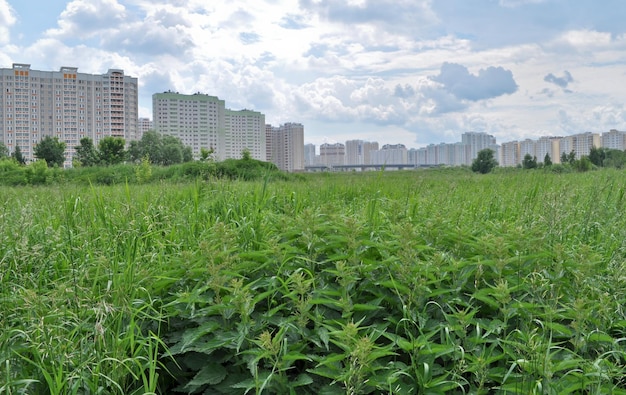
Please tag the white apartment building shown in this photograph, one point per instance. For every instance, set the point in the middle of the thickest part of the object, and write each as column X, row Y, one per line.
column 477, row 141
column 143, row 126
column 614, row 139
column 244, row 130
column 527, row 147
column 198, row 120
column 510, row 154
column 286, row 146
column 390, row 154
column 332, row 154
column 550, row 146
column 65, row 104
column 203, row 121
column 309, row 155
column 580, row 143
column 358, row 151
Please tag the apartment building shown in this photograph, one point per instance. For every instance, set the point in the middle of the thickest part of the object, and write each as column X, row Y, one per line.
column 65, row 104
column 390, row 154
column 614, row 139
column 243, row 130
column 332, row 154
column 198, row 120
column 144, row 125
column 285, row 146
column 475, row 142
column 580, row 143
column 310, row 158
column 358, row 152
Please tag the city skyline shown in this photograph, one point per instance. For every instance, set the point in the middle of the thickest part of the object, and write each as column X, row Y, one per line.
column 416, row 73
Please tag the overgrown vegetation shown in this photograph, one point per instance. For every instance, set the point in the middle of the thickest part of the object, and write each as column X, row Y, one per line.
column 439, row 281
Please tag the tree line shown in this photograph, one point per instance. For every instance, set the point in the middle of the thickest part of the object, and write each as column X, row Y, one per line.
column 485, row 161
column 157, row 149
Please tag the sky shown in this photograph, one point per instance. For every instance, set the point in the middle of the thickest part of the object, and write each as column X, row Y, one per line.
column 415, row 72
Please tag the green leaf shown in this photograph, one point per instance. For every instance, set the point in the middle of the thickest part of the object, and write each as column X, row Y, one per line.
column 212, row 373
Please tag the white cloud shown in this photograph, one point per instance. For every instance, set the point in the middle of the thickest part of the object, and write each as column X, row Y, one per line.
column 7, row 19
column 85, row 18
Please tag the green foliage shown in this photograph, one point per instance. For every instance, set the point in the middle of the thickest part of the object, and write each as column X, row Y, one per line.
column 143, row 171
column 547, row 161
column 37, row 172
column 161, row 149
column 111, row 150
column 416, row 282
column 86, row 153
column 17, row 155
column 484, row 162
column 529, row 162
column 51, row 150
column 597, row 156
column 583, row 164
column 4, row 151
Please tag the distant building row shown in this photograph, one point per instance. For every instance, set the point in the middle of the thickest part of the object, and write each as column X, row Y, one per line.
column 359, row 152
column 70, row 106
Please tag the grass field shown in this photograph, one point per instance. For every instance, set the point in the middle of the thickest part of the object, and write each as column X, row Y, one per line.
column 416, row 282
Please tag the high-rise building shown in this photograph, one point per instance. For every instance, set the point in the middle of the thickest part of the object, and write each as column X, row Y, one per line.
column 309, row 155
column 477, row 141
column 203, row 121
column 198, row 120
column 286, row 146
column 548, row 145
column 358, row 151
column 510, row 154
column 390, row 154
column 244, row 131
column 144, row 125
column 614, row 139
column 580, row 143
column 332, row 154
column 65, row 104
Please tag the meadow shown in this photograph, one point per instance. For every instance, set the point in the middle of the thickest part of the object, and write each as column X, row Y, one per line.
column 411, row 282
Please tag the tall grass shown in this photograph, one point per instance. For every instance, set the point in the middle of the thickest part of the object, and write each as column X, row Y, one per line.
column 397, row 283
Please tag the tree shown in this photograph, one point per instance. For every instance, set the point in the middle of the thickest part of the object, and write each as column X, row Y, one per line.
column 86, row 153
column 111, row 150
column 160, row 149
column 547, row 161
column 564, row 158
column 4, row 151
column 529, row 162
column 51, row 150
column 571, row 157
column 597, row 156
column 17, row 155
column 484, row 162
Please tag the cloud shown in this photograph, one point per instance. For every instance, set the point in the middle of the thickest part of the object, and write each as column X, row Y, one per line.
column 517, row 3
column 560, row 81
column 397, row 16
column 489, row 83
column 86, row 18
column 7, row 19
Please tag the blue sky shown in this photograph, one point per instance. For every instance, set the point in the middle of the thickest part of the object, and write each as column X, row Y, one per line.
column 396, row 71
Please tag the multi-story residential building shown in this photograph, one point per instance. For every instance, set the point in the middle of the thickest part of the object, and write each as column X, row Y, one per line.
column 198, row 120
column 527, row 147
column 332, row 154
column 65, row 104
column 614, row 139
column 144, row 125
column 510, row 154
column 358, row 151
column 286, row 146
column 390, row 154
column 244, row 130
column 548, row 146
column 309, row 155
column 580, row 143
column 203, row 121
column 477, row 141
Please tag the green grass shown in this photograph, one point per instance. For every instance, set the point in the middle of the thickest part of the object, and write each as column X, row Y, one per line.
column 439, row 281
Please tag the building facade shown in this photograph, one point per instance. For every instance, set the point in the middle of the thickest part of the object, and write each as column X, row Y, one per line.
column 286, row 146
column 65, row 104
column 144, row 125
column 332, row 154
